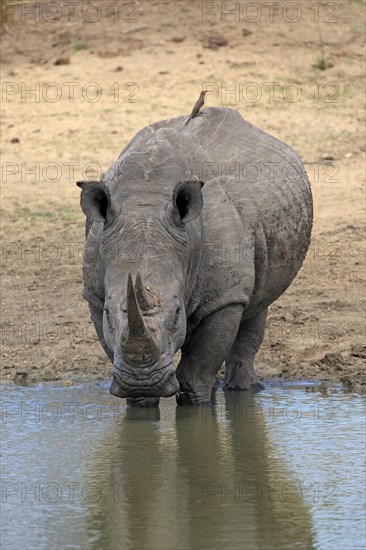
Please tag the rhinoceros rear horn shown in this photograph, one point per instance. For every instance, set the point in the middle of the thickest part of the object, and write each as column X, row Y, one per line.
column 138, row 345
column 94, row 200
column 146, row 300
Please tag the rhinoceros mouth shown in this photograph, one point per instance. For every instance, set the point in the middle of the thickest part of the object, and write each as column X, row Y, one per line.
column 160, row 382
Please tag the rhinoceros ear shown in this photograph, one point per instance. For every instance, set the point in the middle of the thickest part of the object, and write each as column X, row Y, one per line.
column 188, row 200
column 94, row 200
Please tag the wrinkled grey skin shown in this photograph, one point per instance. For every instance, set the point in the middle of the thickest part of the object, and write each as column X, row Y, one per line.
column 191, row 235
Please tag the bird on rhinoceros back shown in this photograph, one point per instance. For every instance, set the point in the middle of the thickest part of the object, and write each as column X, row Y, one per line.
column 215, row 243
column 197, row 106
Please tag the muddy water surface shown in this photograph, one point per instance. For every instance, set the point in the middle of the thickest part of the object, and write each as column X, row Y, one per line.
column 282, row 469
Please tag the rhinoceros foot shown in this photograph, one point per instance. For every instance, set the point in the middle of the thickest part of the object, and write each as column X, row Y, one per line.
column 241, row 377
column 255, row 387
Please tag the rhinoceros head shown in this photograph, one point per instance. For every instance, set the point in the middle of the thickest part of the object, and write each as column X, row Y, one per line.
column 148, row 205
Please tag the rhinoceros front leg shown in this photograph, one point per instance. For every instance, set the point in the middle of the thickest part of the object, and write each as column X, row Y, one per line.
column 240, row 374
column 204, row 353
column 96, row 315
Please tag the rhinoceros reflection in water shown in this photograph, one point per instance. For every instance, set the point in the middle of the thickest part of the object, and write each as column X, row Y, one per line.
column 202, row 480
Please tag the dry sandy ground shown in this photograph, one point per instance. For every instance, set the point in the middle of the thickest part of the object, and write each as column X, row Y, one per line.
column 153, row 68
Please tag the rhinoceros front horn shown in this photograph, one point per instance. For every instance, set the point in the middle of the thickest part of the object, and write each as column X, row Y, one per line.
column 138, row 344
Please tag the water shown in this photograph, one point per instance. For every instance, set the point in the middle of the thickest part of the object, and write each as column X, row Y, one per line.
column 282, row 469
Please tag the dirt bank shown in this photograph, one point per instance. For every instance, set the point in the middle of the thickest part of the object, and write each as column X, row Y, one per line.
column 96, row 83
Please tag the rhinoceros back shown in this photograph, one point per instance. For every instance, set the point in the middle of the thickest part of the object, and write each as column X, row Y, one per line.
column 267, row 183
column 267, row 187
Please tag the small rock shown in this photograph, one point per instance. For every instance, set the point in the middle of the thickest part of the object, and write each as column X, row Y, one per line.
column 20, row 376
column 246, row 32
column 178, row 39
column 163, row 72
column 62, row 61
column 118, row 69
column 64, row 38
column 15, row 140
column 67, row 383
column 106, row 54
column 215, row 41
column 328, row 157
column 323, row 388
column 348, row 382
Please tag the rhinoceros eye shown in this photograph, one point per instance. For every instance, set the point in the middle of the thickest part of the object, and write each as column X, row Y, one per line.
column 176, row 318
column 107, row 316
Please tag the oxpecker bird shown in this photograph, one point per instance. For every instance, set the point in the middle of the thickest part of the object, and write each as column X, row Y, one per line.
column 196, row 109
